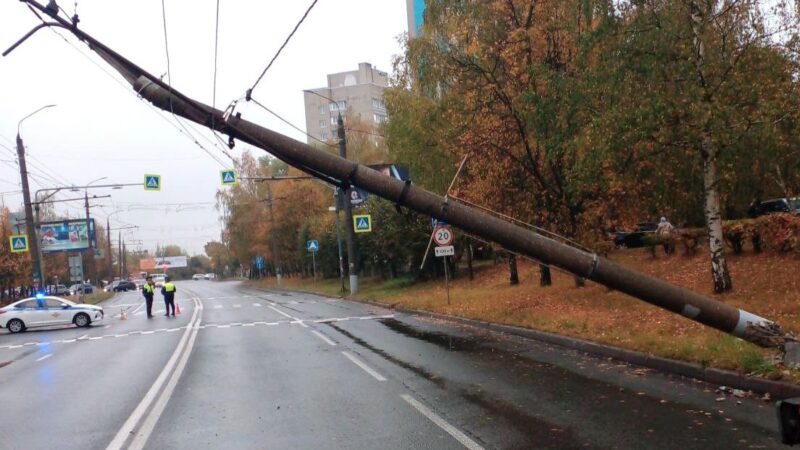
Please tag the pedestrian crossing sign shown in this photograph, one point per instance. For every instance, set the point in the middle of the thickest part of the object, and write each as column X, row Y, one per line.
column 312, row 246
column 229, row 177
column 19, row 243
column 152, row 182
column 362, row 223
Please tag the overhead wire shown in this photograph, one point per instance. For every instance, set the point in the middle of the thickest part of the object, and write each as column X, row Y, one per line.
column 288, row 38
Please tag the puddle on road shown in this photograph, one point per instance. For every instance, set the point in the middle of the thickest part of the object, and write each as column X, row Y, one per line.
column 444, row 340
column 418, row 370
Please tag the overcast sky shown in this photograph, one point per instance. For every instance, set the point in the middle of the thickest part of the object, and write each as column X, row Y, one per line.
column 101, row 129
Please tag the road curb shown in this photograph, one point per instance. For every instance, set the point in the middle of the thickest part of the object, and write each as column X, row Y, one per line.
column 776, row 389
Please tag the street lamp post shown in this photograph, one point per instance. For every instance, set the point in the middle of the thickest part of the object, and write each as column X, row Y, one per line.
column 33, row 240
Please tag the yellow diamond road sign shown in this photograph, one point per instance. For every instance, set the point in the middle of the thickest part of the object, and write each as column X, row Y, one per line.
column 19, row 243
column 362, row 223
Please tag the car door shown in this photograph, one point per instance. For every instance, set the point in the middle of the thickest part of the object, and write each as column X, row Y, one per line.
column 58, row 312
column 31, row 312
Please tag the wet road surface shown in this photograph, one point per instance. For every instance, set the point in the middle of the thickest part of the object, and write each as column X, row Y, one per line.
column 247, row 368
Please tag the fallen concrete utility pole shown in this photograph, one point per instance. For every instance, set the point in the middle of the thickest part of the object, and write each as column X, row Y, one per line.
column 691, row 305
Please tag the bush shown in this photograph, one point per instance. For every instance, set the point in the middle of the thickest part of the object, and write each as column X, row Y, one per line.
column 777, row 232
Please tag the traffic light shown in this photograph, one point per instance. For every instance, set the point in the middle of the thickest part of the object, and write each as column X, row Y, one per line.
column 789, row 420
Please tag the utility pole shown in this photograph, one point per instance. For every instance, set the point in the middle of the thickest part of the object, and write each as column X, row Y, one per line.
column 667, row 296
column 90, row 251
column 119, row 253
column 33, row 240
column 276, row 259
column 350, row 238
column 109, row 258
column 337, row 198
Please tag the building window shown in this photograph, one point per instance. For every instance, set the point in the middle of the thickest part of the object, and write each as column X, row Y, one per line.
column 378, row 103
column 323, row 124
column 379, row 118
column 333, row 120
column 321, row 110
column 338, row 106
column 324, row 136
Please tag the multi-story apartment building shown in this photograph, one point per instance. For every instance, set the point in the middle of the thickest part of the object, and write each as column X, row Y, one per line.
column 357, row 93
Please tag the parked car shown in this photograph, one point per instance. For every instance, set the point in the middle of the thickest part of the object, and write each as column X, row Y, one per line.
column 199, row 276
column 635, row 238
column 75, row 288
column 210, row 276
column 124, row 286
column 57, row 289
column 46, row 311
column 774, row 206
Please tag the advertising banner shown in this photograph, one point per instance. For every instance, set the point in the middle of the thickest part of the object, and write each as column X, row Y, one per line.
column 66, row 235
column 163, row 263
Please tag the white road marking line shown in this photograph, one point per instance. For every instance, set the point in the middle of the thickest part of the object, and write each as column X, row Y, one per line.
column 237, row 306
column 248, row 324
column 236, row 324
column 44, row 357
column 294, row 319
column 96, row 338
column 68, row 341
column 85, row 336
column 128, row 428
column 217, row 306
column 441, row 423
column 14, row 346
column 223, row 326
column 260, row 323
column 120, row 335
column 323, row 337
column 366, row 368
column 257, row 304
column 170, row 330
column 140, row 439
column 148, row 332
column 107, row 327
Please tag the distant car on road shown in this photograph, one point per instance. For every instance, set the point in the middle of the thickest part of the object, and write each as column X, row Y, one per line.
column 199, row 276
column 124, row 286
column 635, row 238
column 139, row 282
column 210, row 276
column 47, row 311
column 158, row 280
column 75, row 288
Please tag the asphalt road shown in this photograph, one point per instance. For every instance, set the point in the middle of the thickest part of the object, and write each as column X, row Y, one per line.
column 244, row 368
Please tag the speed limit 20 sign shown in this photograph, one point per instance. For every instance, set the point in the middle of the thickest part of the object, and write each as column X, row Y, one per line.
column 443, row 236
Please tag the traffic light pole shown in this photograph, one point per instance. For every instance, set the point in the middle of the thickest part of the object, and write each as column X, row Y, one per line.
column 681, row 301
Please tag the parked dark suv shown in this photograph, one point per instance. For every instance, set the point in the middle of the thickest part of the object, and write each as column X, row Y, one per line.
column 635, row 238
column 776, row 205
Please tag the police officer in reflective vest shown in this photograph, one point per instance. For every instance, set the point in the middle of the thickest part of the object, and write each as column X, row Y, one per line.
column 168, row 291
column 148, row 290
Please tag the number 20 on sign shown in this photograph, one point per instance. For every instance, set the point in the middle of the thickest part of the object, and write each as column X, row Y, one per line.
column 443, row 236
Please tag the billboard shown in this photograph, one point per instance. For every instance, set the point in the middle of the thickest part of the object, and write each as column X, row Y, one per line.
column 163, row 263
column 66, row 235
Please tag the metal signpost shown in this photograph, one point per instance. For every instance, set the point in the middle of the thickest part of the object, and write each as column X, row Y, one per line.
column 76, row 273
column 443, row 237
column 313, row 247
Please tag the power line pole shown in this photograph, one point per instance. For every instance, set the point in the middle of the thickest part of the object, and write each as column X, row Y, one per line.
column 350, row 238
column 275, row 258
column 33, row 240
column 109, row 258
column 89, row 230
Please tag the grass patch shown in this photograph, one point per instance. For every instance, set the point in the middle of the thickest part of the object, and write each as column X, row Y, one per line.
column 96, row 297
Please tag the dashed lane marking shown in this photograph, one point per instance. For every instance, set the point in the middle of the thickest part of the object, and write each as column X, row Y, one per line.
column 324, row 338
column 44, row 357
column 364, row 366
column 462, row 438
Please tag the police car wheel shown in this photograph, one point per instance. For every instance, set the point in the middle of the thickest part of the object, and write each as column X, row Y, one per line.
column 15, row 326
column 82, row 320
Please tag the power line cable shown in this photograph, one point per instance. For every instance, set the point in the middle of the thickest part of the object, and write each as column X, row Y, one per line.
column 288, row 38
column 290, row 124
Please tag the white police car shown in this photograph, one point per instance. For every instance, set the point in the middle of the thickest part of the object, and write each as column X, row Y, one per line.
column 47, row 311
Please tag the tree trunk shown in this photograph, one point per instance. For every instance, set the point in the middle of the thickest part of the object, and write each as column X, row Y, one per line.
column 545, row 278
column 719, row 268
column 512, row 268
column 469, row 261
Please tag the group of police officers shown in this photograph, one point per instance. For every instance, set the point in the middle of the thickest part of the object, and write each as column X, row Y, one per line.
column 167, row 291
